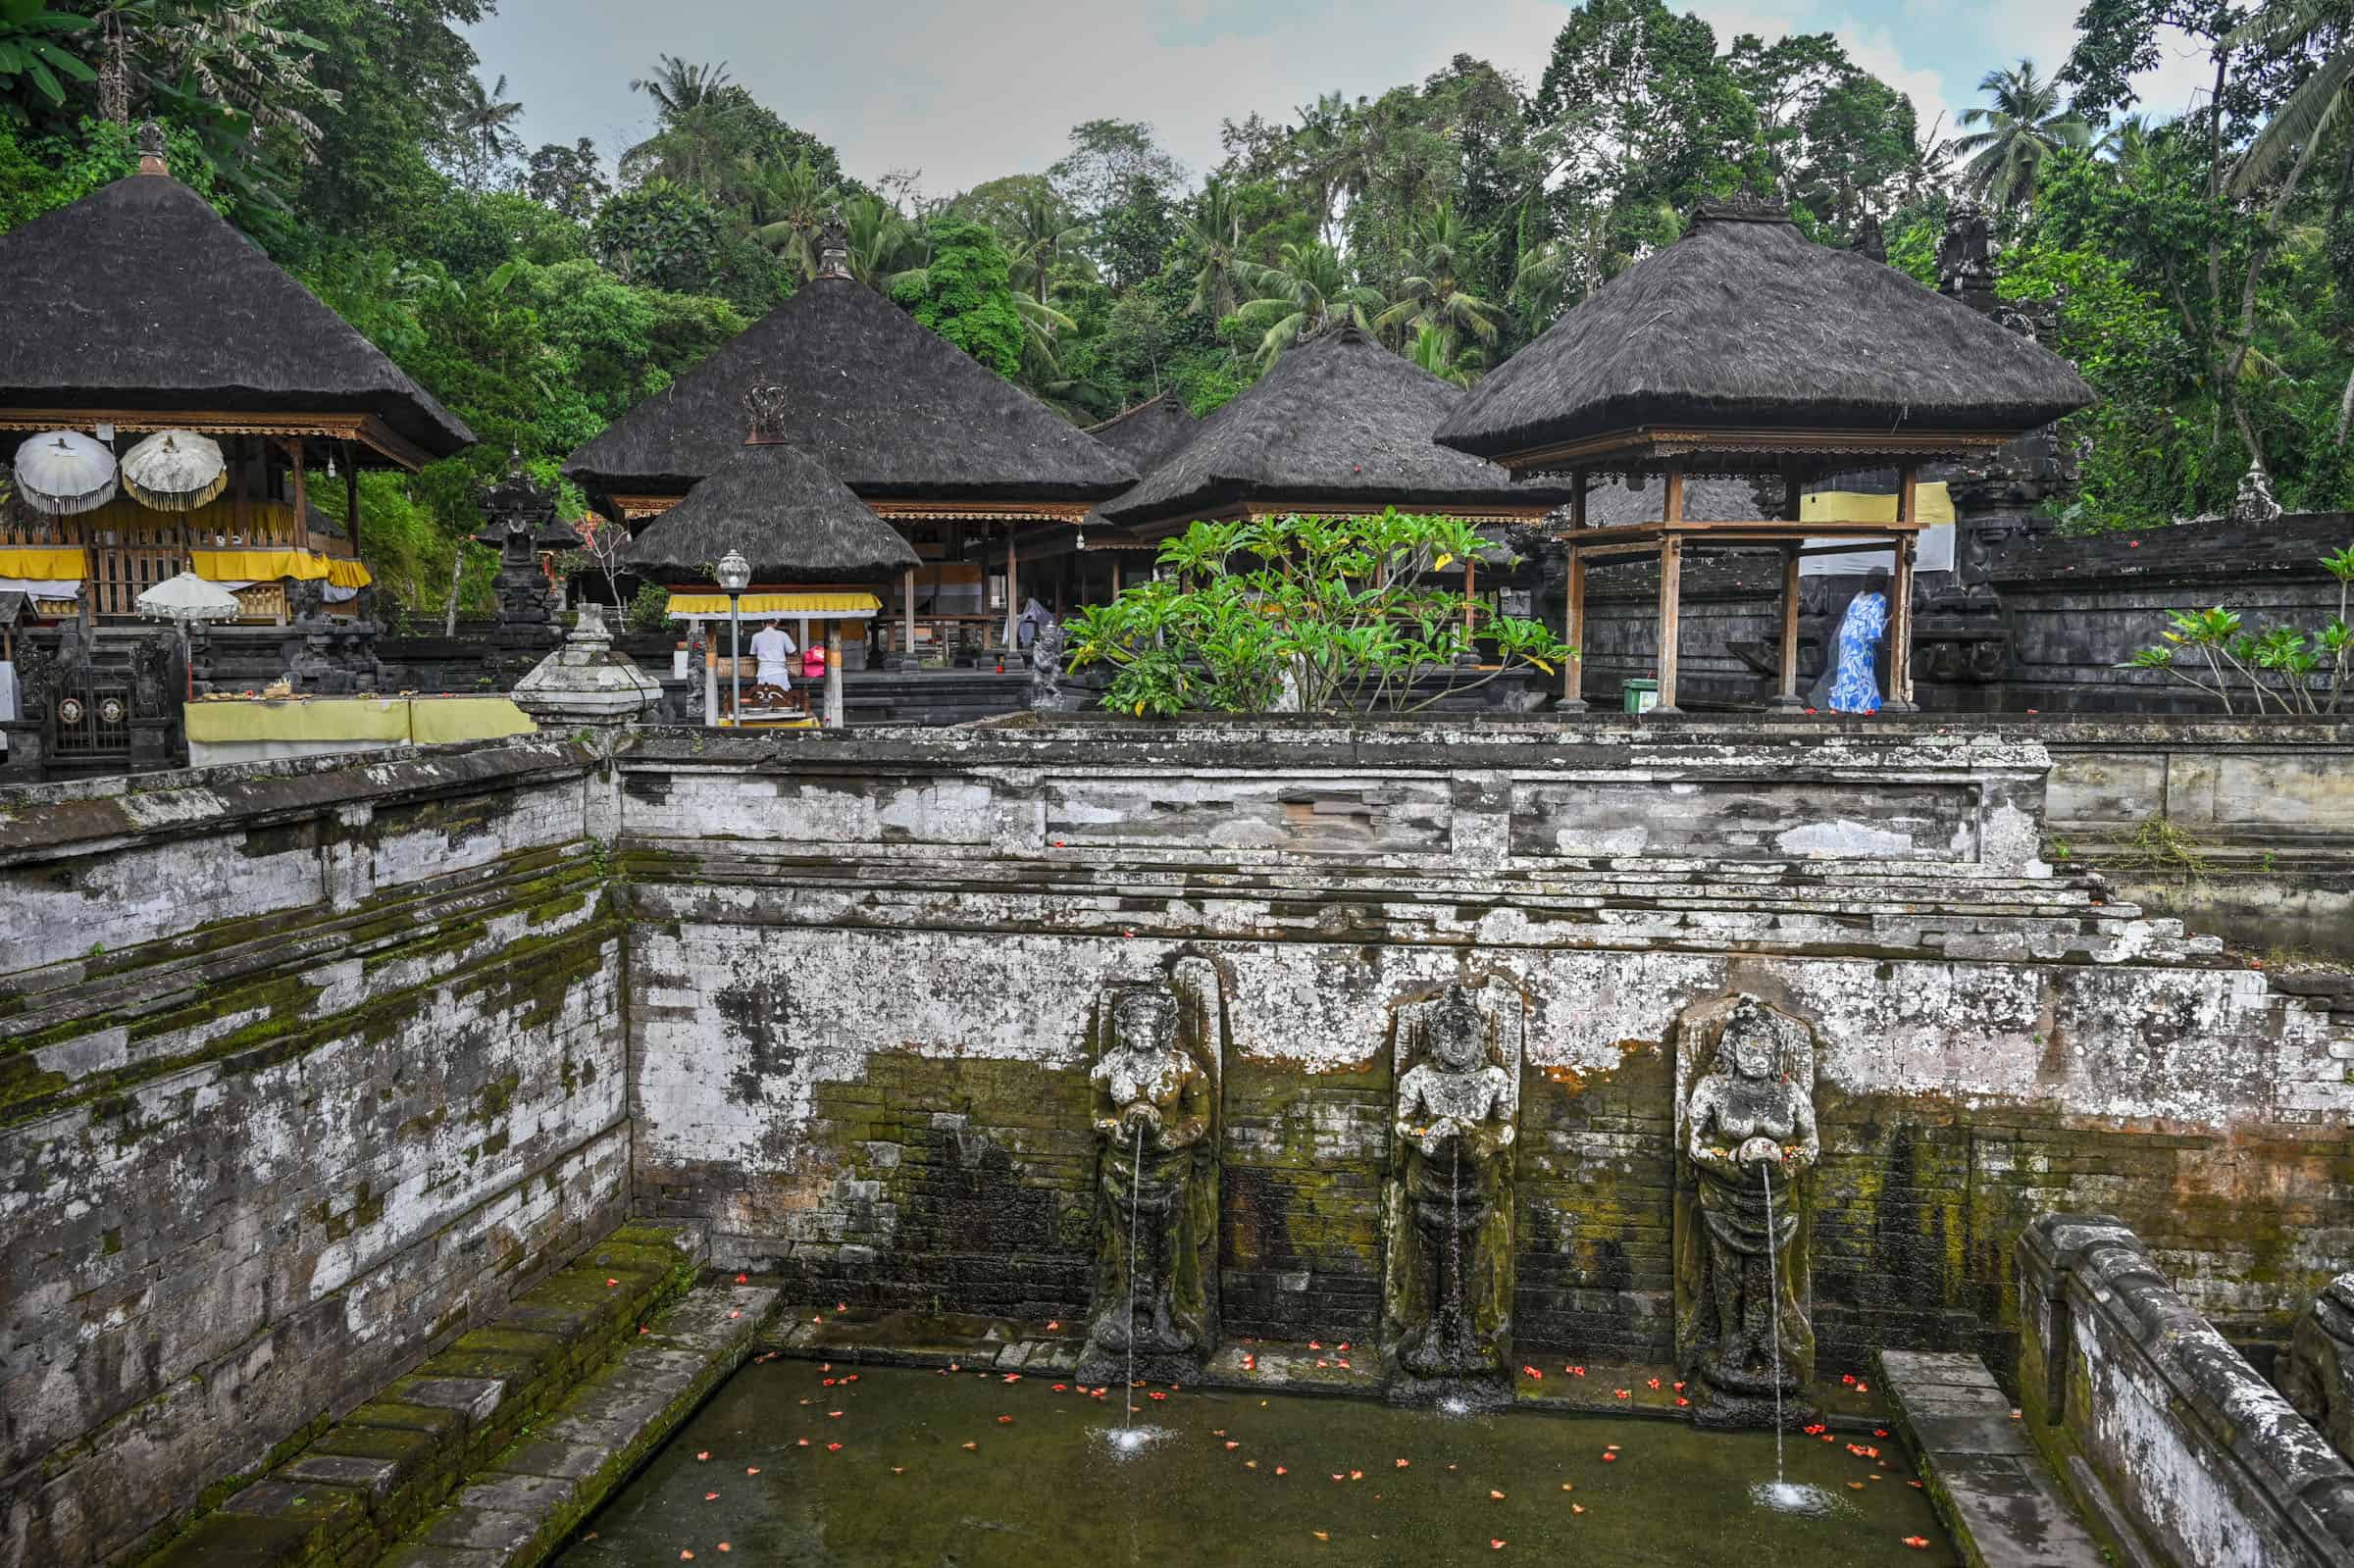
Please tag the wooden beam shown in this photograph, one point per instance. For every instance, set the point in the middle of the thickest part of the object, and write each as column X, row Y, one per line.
column 1787, row 695
column 302, row 495
column 352, row 501
column 1013, row 587
column 1671, row 593
column 1577, row 498
column 1671, row 504
column 907, row 610
column 1573, row 633
column 1643, row 449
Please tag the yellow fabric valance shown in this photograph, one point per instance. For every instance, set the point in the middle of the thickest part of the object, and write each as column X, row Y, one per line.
column 346, row 574
column 832, row 605
column 42, row 563
column 1931, row 504
column 258, row 566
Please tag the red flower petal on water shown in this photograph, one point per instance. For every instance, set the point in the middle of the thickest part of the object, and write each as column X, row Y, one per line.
column 1013, row 1377
column 1051, row 1327
column 744, row 1278
column 1231, row 1444
column 1495, row 1546
column 800, row 1443
column 833, row 1448
column 1157, row 1394
column 1534, row 1373
column 1608, row 1457
column 705, row 1454
column 1494, row 1495
column 710, row 1496
column 1004, row 1421
column 1681, row 1401
column 1917, row 1543
column 1401, row 1464
column 1281, row 1471
column 1316, row 1344
column 1062, row 1387
column 1356, row 1475
column 1655, row 1384
column 611, row 1282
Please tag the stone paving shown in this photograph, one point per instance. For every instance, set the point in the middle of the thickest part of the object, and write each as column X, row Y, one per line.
column 1990, row 1485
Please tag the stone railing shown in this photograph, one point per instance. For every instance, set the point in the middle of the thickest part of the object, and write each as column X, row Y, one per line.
column 2161, row 1426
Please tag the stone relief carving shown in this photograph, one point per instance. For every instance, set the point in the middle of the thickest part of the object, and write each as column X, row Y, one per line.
column 1448, row 1294
column 1749, row 1139
column 1158, row 1047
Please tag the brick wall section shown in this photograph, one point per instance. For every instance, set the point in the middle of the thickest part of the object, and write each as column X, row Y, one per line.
column 1302, row 1167
column 246, row 1180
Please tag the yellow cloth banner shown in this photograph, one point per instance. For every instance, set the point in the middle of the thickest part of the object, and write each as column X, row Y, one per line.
column 346, row 574
column 41, row 562
column 258, row 566
column 832, row 605
column 392, row 721
column 1932, row 503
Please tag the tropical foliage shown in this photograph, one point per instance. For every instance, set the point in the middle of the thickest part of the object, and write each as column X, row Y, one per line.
column 1308, row 613
column 2197, row 268
column 2276, row 669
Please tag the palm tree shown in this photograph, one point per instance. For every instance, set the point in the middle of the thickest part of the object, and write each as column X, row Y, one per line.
column 245, row 56
column 1435, row 349
column 2306, row 114
column 1044, row 233
column 2026, row 122
column 1215, row 229
column 483, row 122
column 1432, row 294
column 1325, row 142
column 788, row 203
column 1928, row 163
column 679, row 88
column 886, row 249
column 1303, row 292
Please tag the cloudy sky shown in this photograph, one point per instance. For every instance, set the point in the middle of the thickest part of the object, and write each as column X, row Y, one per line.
column 966, row 91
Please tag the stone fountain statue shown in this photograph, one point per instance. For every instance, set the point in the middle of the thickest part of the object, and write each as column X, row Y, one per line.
column 1748, row 1126
column 1447, row 1298
column 1158, row 1046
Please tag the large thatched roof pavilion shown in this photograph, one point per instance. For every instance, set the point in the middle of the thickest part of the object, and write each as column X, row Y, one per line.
column 1745, row 348
column 1144, row 437
column 930, row 440
column 138, row 310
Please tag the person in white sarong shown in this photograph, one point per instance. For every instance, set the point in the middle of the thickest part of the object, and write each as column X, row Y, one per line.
column 773, row 650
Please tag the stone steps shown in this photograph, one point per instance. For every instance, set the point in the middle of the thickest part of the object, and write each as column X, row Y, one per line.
column 374, row 1475
column 522, row 1505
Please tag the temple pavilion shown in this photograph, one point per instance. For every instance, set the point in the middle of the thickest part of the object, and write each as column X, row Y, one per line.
column 1743, row 350
column 143, row 328
column 956, row 458
column 818, row 551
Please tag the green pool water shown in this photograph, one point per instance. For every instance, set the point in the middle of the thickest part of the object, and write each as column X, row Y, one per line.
column 1050, row 1487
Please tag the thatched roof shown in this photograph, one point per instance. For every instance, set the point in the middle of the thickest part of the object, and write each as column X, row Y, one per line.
column 793, row 522
column 1337, row 421
column 1745, row 322
column 894, row 411
column 1148, row 433
column 141, row 296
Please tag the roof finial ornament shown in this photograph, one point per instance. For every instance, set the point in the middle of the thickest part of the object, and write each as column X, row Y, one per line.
column 834, row 246
column 1744, row 206
column 768, row 407
column 151, row 149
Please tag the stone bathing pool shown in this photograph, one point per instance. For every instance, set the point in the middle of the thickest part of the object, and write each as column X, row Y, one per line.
column 900, row 1466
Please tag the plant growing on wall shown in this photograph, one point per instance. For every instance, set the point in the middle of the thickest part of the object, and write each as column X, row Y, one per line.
column 2278, row 667
column 1305, row 614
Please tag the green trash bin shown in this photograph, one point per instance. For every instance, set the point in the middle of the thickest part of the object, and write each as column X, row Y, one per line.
column 1639, row 696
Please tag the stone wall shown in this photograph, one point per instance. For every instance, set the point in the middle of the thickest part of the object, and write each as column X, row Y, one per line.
column 2157, row 1423
column 863, row 964
column 305, row 1069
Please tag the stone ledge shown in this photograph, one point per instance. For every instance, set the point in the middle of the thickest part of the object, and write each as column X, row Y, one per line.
column 373, row 1476
column 1989, row 1486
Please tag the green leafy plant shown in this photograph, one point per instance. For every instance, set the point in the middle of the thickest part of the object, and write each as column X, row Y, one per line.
column 32, row 55
column 650, row 610
column 2280, row 666
column 1309, row 614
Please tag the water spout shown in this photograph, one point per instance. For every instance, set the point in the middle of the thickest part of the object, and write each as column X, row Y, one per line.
column 1136, row 1195
column 1773, row 1320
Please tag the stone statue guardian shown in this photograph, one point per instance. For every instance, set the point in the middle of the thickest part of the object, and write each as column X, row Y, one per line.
column 1447, row 1295
column 1749, row 1142
column 1158, row 1047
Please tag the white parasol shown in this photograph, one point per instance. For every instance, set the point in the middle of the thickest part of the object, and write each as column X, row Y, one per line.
column 175, row 470
column 187, row 598
column 65, row 472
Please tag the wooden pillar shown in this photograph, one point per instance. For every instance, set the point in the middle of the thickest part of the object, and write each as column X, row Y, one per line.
column 908, row 611
column 1573, row 628
column 1115, row 573
column 1671, row 587
column 1013, row 587
column 351, row 500
column 833, row 674
column 302, row 495
column 1899, row 696
column 1787, row 695
column 1577, row 499
column 1470, row 654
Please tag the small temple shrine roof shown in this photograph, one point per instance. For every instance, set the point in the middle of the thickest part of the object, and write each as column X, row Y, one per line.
column 893, row 410
column 1143, row 435
column 793, row 522
column 141, row 298
column 1745, row 335
column 1339, row 424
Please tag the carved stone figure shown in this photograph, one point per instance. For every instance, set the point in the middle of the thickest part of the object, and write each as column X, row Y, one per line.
column 2319, row 1381
column 2254, row 503
column 1158, row 1050
column 1748, row 1136
column 1045, row 669
column 1447, row 1300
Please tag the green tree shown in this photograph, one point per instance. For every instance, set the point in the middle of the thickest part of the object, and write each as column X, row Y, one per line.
column 1432, row 296
column 2025, row 124
column 567, row 181
column 485, row 126
column 966, row 295
column 1214, row 236
column 1307, row 290
column 39, row 57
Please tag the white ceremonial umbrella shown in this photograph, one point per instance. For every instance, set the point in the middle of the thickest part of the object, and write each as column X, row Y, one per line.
column 175, row 470
column 65, row 472
column 187, row 598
